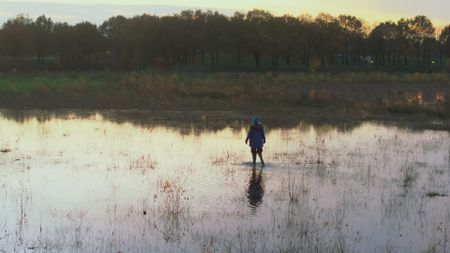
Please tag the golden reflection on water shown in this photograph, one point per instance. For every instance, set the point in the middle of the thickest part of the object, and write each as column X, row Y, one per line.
column 61, row 149
column 103, row 176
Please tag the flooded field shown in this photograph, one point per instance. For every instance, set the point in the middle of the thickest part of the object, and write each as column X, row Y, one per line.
column 88, row 184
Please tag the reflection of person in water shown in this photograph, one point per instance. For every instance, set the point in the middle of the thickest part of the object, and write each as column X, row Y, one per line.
column 257, row 139
column 255, row 190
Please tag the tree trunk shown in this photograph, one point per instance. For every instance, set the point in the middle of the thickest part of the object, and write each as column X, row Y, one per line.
column 257, row 56
column 212, row 57
column 288, row 59
column 202, row 56
column 217, row 57
column 307, row 59
column 425, row 63
column 418, row 55
column 238, row 57
column 322, row 62
column 61, row 57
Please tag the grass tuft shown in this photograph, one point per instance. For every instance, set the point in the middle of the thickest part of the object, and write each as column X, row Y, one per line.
column 433, row 194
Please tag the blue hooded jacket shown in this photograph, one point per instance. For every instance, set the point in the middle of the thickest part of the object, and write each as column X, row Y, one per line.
column 256, row 136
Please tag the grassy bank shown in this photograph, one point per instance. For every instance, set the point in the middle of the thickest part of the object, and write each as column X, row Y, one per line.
column 356, row 93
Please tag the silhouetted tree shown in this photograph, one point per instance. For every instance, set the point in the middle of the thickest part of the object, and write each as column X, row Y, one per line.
column 444, row 40
column 238, row 36
column 17, row 36
column 256, row 37
column 286, row 36
column 216, row 35
column 64, row 40
column 327, row 37
column 116, row 41
column 43, row 36
column 88, row 41
column 352, row 37
column 420, row 29
column 383, row 43
column 259, row 32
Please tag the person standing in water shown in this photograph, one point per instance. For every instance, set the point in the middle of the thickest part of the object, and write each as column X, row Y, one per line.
column 257, row 139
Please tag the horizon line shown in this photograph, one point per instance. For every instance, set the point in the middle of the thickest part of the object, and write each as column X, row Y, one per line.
column 168, row 9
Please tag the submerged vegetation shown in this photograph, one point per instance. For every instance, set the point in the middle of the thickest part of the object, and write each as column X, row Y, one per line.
column 433, row 194
column 358, row 94
column 103, row 186
column 409, row 175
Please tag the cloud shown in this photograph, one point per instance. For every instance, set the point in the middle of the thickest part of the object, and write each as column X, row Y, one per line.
column 95, row 13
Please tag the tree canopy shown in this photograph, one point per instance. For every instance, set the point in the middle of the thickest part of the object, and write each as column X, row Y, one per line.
column 255, row 39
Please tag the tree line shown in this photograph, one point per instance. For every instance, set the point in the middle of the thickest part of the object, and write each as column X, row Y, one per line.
column 256, row 38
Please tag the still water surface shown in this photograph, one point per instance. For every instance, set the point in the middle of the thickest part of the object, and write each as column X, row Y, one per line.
column 87, row 184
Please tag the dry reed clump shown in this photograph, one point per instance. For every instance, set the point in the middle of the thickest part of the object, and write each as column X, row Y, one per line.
column 408, row 175
column 296, row 187
column 172, row 209
column 142, row 164
column 227, row 158
column 174, row 199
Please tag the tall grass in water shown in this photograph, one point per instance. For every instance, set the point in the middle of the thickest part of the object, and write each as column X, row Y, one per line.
column 296, row 187
column 142, row 164
column 409, row 175
column 174, row 198
column 173, row 208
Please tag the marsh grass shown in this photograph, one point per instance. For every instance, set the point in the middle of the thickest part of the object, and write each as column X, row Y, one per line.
column 142, row 164
column 228, row 157
column 309, row 215
column 433, row 194
column 293, row 191
column 174, row 197
column 409, row 175
column 4, row 236
column 345, row 93
column 296, row 187
column 319, row 148
column 215, row 243
column 5, row 150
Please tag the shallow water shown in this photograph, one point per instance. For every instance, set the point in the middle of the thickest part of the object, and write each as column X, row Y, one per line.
column 87, row 184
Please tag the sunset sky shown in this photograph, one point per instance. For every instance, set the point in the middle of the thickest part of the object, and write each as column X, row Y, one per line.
column 96, row 11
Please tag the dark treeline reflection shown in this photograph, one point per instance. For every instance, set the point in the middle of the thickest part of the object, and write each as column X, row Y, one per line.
column 185, row 122
column 253, row 40
column 197, row 122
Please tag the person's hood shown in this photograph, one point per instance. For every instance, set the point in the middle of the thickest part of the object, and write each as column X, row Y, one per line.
column 257, row 127
column 255, row 121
